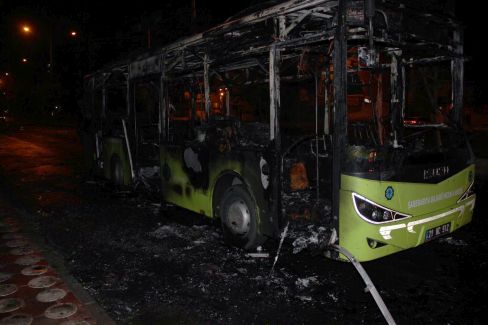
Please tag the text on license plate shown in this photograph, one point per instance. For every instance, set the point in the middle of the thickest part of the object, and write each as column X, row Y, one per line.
column 437, row 231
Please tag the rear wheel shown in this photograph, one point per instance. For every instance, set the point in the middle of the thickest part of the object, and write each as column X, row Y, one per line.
column 238, row 215
column 117, row 174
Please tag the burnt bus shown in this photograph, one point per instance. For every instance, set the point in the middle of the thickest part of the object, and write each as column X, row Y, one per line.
column 344, row 113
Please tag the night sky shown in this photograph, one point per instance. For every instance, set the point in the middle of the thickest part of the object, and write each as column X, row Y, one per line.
column 109, row 30
column 106, row 31
column 109, row 27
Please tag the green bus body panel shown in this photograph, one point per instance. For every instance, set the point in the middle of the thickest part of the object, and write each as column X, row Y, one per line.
column 430, row 205
column 179, row 190
column 111, row 146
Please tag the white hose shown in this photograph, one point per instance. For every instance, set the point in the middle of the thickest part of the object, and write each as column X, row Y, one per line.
column 369, row 284
column 128, row 150
column 283, row 235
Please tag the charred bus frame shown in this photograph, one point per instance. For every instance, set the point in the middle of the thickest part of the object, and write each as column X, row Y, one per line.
column 211, row 165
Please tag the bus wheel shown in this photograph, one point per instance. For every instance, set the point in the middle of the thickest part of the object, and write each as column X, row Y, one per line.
column 238, row 217
column 116, row 172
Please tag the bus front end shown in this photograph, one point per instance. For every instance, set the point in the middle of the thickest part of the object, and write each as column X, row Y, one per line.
column 383, row 217
column 403, row 168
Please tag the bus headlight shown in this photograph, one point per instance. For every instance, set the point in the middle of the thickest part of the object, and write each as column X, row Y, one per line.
column 375, row 213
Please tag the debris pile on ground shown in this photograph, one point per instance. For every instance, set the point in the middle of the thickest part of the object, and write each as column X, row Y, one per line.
column 309, row 236
column 134, row 260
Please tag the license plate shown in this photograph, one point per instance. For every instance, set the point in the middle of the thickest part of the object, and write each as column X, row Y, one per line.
column 437, row 231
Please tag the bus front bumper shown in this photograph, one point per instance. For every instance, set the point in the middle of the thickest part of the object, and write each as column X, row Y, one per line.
column 367, row 241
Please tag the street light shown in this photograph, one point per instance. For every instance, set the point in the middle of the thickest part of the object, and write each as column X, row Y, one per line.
column 26, row 29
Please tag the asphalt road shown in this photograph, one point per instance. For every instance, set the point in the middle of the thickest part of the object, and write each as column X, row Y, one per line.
column 151, row 264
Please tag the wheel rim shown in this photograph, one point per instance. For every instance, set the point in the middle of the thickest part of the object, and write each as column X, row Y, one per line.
column 238, row 219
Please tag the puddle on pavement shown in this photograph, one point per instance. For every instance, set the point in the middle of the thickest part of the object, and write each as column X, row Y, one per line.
column 60, row 311
column 8, row 305
column 26, row 250
column 5, row 276
column 42, row 282
column 17, row 319
column 7, row 289
column 50, row 295
column 27, row 260
column 34, row 270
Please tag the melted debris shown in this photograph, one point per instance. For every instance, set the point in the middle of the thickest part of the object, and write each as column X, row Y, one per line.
column 134, row 256
column 147, row 263
column 309, row 236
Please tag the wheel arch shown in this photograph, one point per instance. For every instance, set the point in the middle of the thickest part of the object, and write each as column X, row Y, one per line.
column 230, row 177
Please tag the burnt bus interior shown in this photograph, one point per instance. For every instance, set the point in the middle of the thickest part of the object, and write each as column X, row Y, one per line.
column 368, row 88
column 412, row 94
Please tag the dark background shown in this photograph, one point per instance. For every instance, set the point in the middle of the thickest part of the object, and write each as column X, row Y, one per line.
column 108, row 30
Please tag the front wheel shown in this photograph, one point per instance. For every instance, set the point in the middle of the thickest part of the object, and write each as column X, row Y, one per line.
column 238, row 215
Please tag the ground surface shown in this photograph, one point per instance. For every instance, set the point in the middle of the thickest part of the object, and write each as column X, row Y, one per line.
column 147, row 264
column 31, row 290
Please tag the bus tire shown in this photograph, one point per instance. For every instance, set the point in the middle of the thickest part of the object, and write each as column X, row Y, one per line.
column 116, row 171
column 238, row 216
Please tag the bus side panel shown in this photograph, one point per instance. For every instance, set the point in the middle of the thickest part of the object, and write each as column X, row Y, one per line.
column 181, row 188
column 176, row 185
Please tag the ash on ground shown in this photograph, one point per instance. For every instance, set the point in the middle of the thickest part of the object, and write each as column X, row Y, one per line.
column 151, row 263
